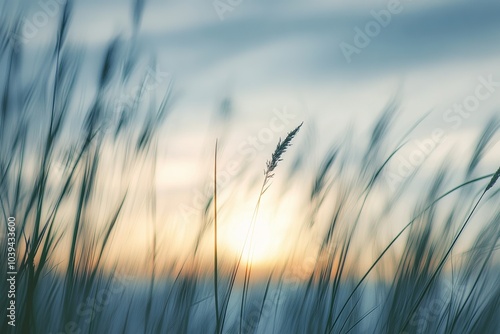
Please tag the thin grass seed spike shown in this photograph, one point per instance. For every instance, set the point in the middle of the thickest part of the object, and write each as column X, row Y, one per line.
column 268, row 174
column 276, row 156
column 216, row 275
column 493, row 180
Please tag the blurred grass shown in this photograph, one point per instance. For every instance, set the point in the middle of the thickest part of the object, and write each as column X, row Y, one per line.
column 67, row 223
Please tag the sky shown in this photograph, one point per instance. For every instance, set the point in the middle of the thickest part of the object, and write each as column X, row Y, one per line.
column 315, row 61
column 271, row 54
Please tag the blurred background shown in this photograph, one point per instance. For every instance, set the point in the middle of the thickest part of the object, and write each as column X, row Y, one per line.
column 398, row 99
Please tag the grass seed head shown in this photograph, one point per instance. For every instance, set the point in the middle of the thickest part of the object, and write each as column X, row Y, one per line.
column 278, row 152
column 493, row 180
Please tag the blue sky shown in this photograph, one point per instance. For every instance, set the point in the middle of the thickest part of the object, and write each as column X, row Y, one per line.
column 279, row 52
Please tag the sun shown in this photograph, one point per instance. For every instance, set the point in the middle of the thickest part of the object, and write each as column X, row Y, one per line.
column 257, row 244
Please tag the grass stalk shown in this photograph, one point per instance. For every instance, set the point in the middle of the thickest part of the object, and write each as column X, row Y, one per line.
column 216, row 274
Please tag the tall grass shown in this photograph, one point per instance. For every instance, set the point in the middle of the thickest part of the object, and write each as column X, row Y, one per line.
column 419, row 258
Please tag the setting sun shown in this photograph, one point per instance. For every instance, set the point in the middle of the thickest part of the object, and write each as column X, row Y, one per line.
column 260, row 246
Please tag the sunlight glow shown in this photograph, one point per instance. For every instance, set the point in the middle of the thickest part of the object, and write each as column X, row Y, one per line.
column 263, row 247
